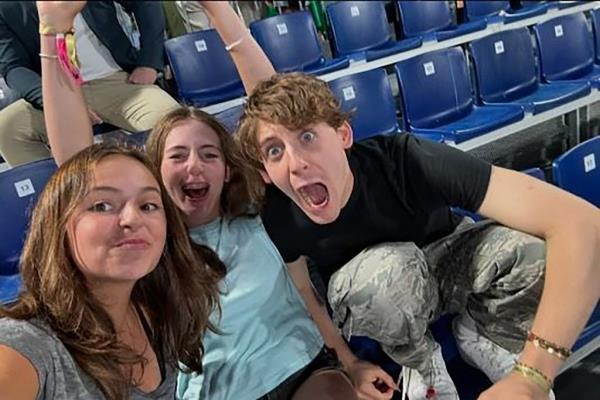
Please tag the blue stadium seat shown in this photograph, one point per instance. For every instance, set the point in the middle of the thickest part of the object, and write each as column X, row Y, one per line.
column 565, row 4
column 529, row 5
column 595, row 14
column 591, row 330
column 536, row 172
column 566, row 50
column 346, row 18
column 437, row 98
column 19, row 190
column 499, row 82
column 230, row 117
column 291, row 43
column 432, row 19
column 493, row 11
column 203, row 69
column 370, row 96
column 578, row 170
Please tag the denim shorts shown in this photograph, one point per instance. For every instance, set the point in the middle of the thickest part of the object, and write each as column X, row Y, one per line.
column 325, row 360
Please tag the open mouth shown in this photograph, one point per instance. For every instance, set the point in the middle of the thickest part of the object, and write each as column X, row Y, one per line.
column 315, row 195
column 195, row 191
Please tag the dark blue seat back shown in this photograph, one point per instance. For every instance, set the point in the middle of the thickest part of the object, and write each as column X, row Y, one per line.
column 565, row 47
column 19, row 190
column 229, row 118
column 422, row 17
column 477, row 9
column 370, row 95
column 595, row 14
column 536, row 172
column 435, row 88
column 494, row 58
column 578, row 170
column 290, row 41
column 357, row 26
column 203, row 69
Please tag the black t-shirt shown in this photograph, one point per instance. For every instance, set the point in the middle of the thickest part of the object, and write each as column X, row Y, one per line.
column 403, row 191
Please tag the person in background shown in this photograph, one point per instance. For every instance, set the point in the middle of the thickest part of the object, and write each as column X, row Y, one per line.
column 119, row 79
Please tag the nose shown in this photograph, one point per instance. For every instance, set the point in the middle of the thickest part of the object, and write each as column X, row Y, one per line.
column 297, row 161
column 130, row 217
column 194, row 164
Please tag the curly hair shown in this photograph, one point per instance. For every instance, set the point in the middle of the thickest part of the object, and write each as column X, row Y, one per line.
column 294, row 100
column 243, row 193
column 177, row 297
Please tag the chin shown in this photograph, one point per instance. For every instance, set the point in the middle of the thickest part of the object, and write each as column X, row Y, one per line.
column 323, row 218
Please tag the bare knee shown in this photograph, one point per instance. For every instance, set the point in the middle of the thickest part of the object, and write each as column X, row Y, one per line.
column 326, row 385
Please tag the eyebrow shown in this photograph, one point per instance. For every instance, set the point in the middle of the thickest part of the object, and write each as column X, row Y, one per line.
column 181, row 147
column 115, row 190
column 268, row 139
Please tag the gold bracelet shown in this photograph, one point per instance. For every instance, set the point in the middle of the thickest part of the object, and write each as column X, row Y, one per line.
column 551, row 348
column 49, row 56
column 534, row 375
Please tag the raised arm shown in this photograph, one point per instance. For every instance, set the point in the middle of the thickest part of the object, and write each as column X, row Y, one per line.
column 251, row 62
column 571, row 227
column 364, row 375
column 68, row 124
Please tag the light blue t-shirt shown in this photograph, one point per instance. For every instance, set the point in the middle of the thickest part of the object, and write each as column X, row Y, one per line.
column 266, row 332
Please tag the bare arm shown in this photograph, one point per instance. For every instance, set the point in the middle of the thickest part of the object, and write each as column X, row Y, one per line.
column 68, row 124
column 571, row 228
column 363, row 374
column 18, row 378
column 251, row 62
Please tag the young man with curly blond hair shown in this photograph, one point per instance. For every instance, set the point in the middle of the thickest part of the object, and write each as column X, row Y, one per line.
column 375, row 217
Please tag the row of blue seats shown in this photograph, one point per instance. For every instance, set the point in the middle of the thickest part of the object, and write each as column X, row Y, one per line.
column 205, row 73
column 436, row 91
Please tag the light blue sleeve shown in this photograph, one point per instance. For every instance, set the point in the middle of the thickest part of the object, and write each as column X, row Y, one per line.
column 189, row 386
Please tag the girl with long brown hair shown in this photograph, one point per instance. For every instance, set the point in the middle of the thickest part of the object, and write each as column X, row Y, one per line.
column 106, row 261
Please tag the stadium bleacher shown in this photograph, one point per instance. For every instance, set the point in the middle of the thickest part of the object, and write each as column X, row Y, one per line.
column 466, row 99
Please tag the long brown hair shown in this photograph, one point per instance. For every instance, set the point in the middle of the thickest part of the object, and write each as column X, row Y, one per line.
column 177, row 297
column 243, row 193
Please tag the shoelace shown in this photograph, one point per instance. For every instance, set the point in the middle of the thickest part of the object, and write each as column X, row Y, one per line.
column 405, row 378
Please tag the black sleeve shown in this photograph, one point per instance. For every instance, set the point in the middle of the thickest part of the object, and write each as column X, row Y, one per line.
column 150, row 19
column 440, row 175
column 279, row 221
column 15, row 66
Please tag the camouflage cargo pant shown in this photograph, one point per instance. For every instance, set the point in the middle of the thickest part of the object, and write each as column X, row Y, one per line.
column 391, row 292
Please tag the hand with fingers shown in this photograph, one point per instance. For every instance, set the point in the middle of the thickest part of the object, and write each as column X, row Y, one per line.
column 515, row 387
column 143, row 76
column 95, row 118
column 371, row 382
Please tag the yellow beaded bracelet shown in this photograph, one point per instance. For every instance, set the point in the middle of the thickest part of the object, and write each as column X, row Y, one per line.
column 49, row 30
column 534, row 375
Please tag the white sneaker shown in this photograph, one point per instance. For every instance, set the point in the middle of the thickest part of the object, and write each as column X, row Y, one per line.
column 480, row 352
column 432, row 384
